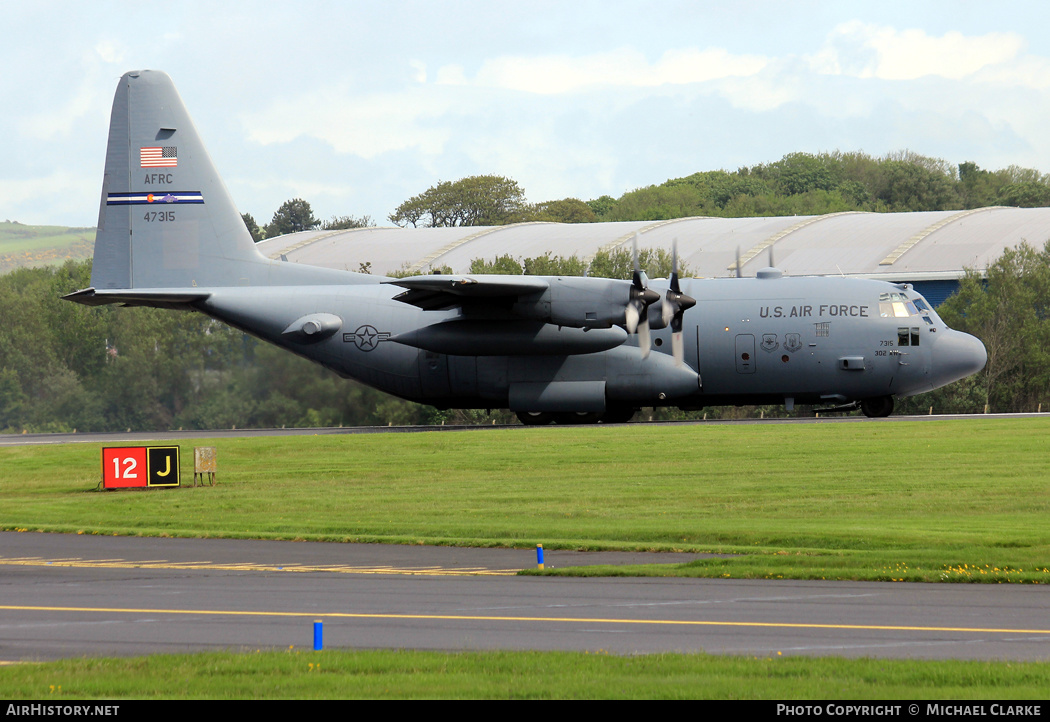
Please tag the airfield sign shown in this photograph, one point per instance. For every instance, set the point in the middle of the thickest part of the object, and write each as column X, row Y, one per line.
column 126, row 467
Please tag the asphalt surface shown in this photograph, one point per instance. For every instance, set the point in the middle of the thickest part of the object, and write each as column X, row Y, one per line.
column 70, row 595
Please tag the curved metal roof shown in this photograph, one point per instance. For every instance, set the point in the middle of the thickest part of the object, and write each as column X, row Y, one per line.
column 901, row 246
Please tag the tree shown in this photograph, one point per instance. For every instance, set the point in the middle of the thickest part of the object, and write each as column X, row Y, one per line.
column 483, row 200
column 567, row 210
column 1027, row 194
column 602, row 205
column 292, row 217
column 549, row 265
column 339, row 223
column 619, row 263
column 797, row 173
column 504, row 265
column 253, row 227
column 1009, row 311
column 910, row 186
column 976, row 187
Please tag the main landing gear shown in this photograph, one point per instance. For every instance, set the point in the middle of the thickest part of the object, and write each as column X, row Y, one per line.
column 878, row 407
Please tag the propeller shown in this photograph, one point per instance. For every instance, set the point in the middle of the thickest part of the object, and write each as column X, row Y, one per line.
column 636, row 314
column 673, row 309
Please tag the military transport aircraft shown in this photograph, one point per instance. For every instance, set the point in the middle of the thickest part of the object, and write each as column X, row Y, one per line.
column 561, row 349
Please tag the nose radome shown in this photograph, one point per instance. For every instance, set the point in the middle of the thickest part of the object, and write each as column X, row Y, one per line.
column 957, row 355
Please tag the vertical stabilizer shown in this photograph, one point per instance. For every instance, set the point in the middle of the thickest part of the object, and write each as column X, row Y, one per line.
column 166, row 219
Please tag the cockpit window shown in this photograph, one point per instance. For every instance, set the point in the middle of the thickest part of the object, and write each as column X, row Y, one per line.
column 897, row 305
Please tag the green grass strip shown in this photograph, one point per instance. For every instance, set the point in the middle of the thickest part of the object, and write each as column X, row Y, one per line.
column 293, row 674
column 938, row 500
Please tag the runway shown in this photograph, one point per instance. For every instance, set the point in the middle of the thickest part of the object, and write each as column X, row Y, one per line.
column 70, row 595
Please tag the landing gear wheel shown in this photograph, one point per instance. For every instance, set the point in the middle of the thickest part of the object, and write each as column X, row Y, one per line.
column 618, row 416
column 878, row 407
column 578, row 417
column 535, row 418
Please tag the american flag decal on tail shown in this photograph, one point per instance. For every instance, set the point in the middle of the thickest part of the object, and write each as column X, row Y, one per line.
column 159, row 157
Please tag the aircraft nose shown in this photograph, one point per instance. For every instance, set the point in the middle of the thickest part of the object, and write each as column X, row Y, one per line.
column 957, row 355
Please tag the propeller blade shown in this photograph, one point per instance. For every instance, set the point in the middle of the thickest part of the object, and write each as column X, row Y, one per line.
column 636, row 313
column 739, row 271
column 678, row 348
column 670, row 305
column 637, row 275
column 674, row 266
column 632, row 317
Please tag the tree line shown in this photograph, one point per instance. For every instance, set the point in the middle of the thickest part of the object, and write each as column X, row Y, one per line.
column 65, row 367
column 296, row 215
column 797, row 184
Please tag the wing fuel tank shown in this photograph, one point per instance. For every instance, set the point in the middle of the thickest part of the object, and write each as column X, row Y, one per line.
column 496, row 338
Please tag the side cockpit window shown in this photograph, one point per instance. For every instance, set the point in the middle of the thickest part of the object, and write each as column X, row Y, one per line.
column 907, row 336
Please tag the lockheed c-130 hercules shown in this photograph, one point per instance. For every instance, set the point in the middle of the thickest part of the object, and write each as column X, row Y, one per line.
column 564, row 349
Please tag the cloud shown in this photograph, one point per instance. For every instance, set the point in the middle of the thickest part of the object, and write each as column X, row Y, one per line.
column 419, row 70
column 1026, row 72
column 868, row 50
column 365, row 125
column 109, row 52
column 60, row 197
column 626, row 67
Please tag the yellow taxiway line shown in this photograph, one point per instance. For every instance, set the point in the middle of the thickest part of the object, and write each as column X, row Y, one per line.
column 546, row 620
column 250, row 567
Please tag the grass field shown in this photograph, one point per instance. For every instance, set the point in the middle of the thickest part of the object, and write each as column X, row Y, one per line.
column 938, row 500
column 933, row 501
column 516, row 675
column 22, row 245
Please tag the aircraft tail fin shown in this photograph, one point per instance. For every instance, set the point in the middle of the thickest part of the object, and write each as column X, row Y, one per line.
column 166, row 219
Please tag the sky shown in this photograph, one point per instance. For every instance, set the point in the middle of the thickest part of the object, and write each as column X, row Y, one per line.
column 358, row 106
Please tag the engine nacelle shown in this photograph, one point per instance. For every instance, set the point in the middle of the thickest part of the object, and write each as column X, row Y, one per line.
column 579, row 303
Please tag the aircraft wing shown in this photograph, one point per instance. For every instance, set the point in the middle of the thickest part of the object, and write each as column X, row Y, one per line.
column 438, row 292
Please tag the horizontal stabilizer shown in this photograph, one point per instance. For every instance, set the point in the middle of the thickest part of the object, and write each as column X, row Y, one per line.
column 157, row 298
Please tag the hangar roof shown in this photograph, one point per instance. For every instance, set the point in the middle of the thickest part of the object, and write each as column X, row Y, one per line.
column 894, row 246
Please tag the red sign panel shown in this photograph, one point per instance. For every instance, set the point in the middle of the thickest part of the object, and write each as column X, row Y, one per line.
column 140, row 466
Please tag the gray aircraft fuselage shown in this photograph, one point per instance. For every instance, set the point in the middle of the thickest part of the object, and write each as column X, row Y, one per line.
column 747, row 341
column 548, row 348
